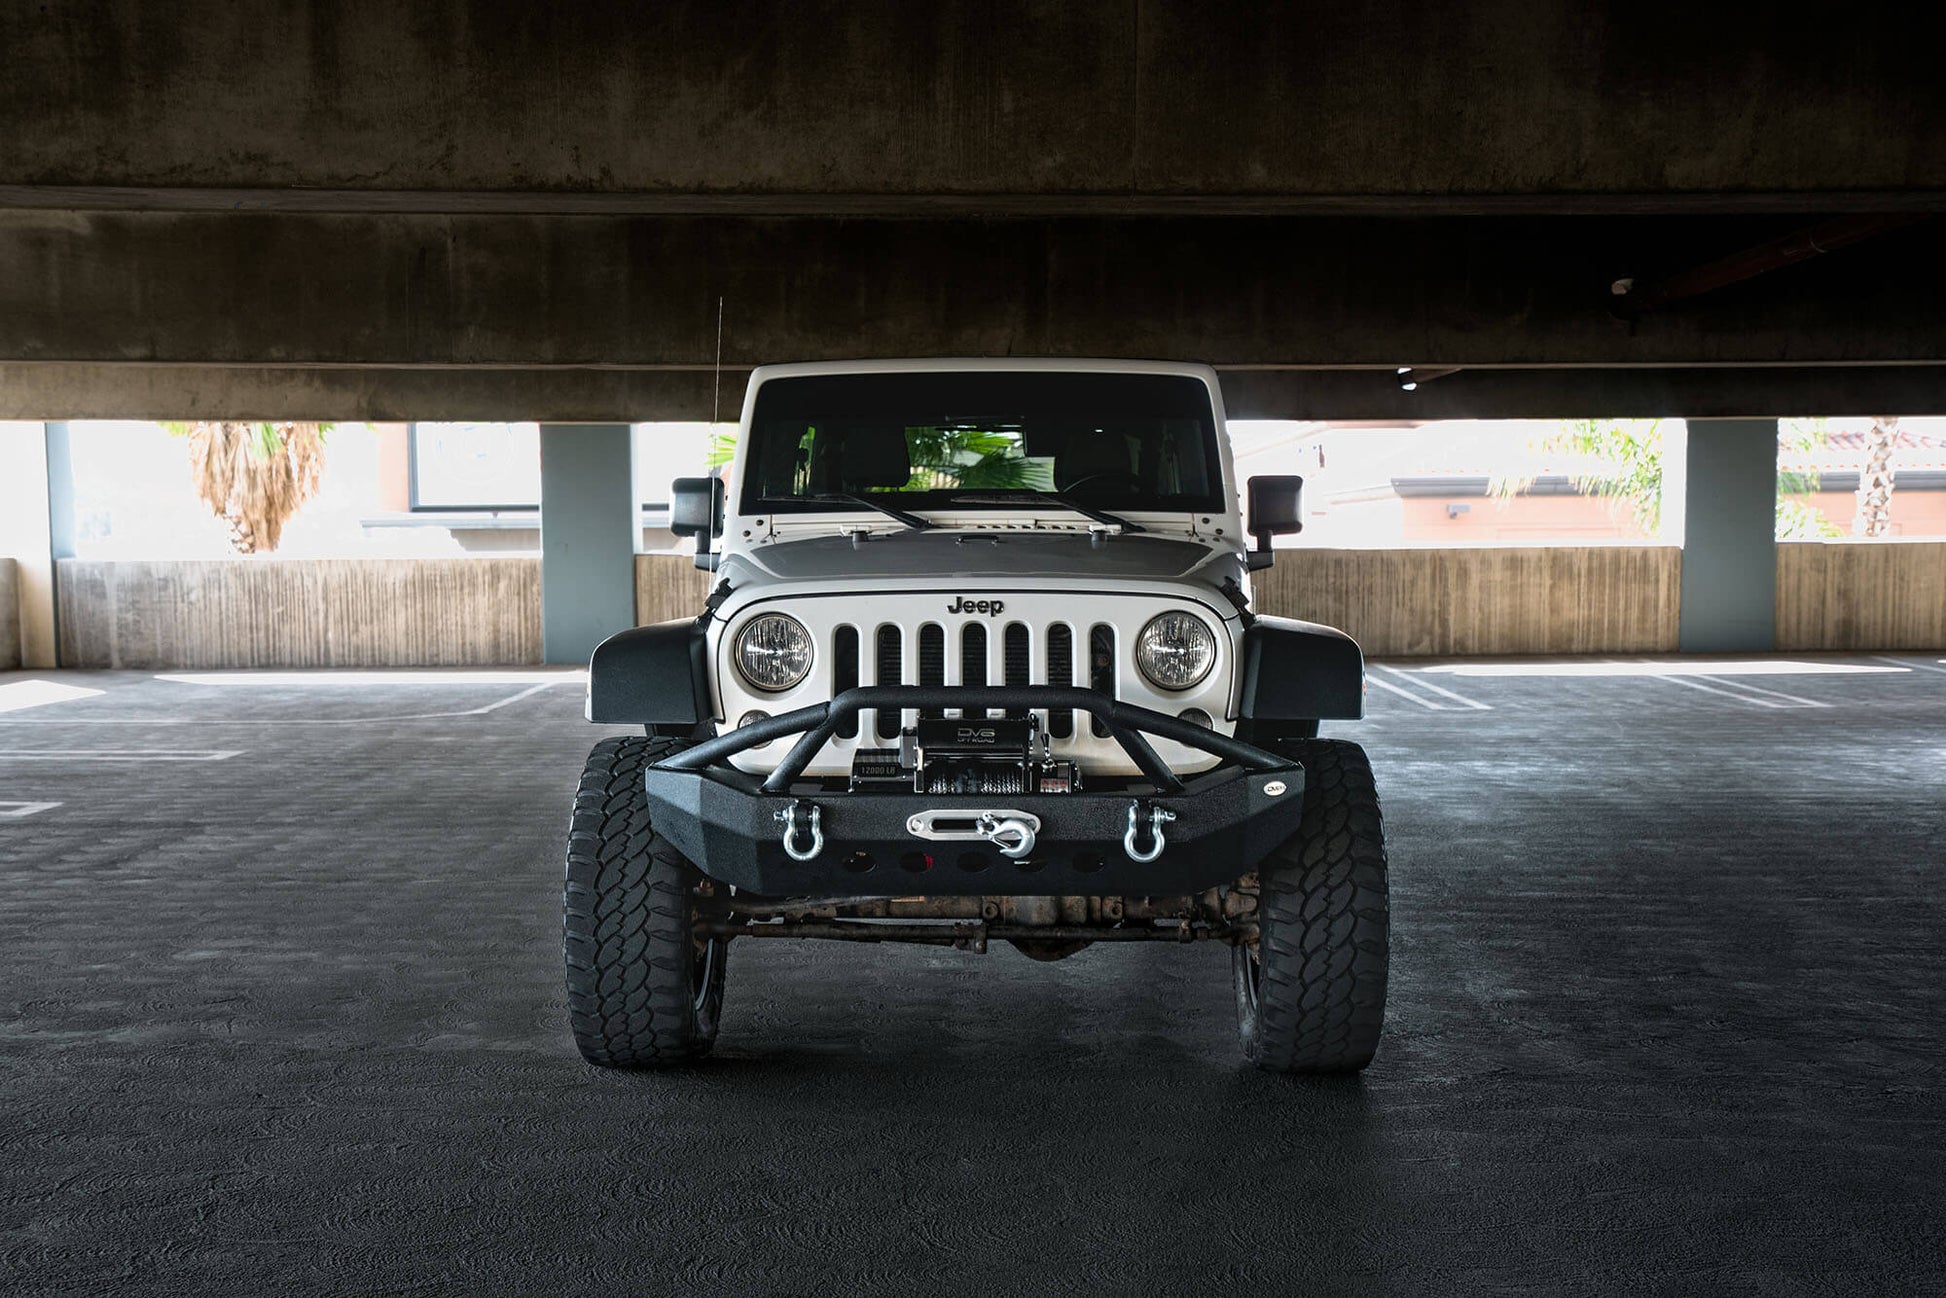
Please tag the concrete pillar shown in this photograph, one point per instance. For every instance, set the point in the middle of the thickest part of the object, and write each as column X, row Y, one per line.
column 1729, row 558
column 29, row 493
column 60, row 492
column 588, row 534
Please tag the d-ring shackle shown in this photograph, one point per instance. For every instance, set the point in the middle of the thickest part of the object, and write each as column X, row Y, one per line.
column 1158, row 817
column 789, row 819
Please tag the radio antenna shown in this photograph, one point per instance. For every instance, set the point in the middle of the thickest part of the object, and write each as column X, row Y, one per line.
column 716, row 394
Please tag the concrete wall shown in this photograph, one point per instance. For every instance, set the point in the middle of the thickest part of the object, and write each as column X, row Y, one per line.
column 1598, row 599
column 300, row 613
column 1861, row 595
column 411, row 612
column 1594, row 599
column 25, row 535
column 9, row 614
column 669, row 586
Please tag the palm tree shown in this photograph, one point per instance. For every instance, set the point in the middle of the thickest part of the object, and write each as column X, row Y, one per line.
column 254, row 476
column 1874, row 515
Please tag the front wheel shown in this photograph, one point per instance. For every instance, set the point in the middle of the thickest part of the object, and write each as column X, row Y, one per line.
column 645, row 989
column 1311, row 988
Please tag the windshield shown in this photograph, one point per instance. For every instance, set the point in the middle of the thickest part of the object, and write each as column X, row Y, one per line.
column 1120, row 442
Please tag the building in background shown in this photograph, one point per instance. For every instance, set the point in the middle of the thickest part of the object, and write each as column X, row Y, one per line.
column 449, row 489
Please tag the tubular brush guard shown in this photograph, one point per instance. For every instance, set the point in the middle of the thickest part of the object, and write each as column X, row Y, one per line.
column 784, row 836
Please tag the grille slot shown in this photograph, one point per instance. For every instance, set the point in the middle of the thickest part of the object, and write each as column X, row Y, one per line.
column 973, row 655
column 889, row 648
column 844, row 673
column 1015, row 661
column 932, row 661
column 1101, row 668
column 1060, row 671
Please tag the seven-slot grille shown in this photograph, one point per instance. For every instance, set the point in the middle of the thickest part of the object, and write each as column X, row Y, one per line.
column 1041, row 637
column 972, row 653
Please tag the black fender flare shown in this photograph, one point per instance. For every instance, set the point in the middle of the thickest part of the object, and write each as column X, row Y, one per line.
column 654, row 675
column 1301, row 671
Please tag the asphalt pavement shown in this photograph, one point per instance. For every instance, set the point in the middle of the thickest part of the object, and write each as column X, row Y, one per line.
column 280, row 1010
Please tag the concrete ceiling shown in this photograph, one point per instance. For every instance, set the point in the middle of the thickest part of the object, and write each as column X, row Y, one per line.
column 472, row 209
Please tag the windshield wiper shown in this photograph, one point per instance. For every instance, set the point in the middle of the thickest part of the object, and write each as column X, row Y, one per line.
column 1005, row 495
column 912, row 521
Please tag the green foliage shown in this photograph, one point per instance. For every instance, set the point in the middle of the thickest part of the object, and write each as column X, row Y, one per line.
column 1625, row 465
column 1797, row 520
column 956, row 458
column 265, row 440
column 1627, row 459
column 942, row 458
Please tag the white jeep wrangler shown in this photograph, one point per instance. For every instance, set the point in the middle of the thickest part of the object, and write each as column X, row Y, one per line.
column 981, row 664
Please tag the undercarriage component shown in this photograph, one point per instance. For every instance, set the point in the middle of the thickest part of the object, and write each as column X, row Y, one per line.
column 1041, row 926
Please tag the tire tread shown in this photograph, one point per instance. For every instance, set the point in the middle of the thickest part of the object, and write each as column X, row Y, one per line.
column 625, row 916
column 1324, row 916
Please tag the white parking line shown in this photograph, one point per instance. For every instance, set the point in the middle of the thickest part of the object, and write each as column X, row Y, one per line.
column 1424, row 684
column 527, row 693
column 1689, row 684
column 362, row 677
column 1791, row 699
column 22, row 810
column 290, row 721
column 1922, row 667
column 1407, row 694
column 119, row 754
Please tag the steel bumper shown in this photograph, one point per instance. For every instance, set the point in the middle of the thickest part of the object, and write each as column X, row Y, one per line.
column 783, row 837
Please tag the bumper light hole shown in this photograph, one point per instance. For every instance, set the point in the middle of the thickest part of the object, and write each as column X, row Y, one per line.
column 973, row 862
column 1089, row 862
column 915, row 862
column 860, row 862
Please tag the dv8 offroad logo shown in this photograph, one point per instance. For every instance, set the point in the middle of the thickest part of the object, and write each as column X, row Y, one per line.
column 990, row 607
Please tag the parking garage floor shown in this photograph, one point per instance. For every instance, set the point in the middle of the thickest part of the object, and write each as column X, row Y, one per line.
column 280, row 1008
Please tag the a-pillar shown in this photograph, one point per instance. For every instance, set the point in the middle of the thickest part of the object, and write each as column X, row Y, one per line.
column 589, row 530
column 1727, row 485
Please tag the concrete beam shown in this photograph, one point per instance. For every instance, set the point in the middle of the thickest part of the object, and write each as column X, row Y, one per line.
column 588, row 535
column 533, row 292
column 608, row 394
column 1400, row 103
column 1729, row 557
column 551, row 202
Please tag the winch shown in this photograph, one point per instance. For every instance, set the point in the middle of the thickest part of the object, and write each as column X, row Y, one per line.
column 982, row 755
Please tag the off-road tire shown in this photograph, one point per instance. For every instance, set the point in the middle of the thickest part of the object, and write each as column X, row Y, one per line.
column 1311, row 991
column 643, row 992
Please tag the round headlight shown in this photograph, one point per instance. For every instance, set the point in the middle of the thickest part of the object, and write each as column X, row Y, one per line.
column 773, row 652
column 1175, row 650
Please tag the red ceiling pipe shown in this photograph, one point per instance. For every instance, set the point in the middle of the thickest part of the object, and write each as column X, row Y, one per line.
column 1636, row 297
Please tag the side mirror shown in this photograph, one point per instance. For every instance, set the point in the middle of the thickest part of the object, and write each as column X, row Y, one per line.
column 696, row 509
column 1276, row 508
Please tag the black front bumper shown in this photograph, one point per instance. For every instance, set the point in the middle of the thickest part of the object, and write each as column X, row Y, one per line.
column 732, row 826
